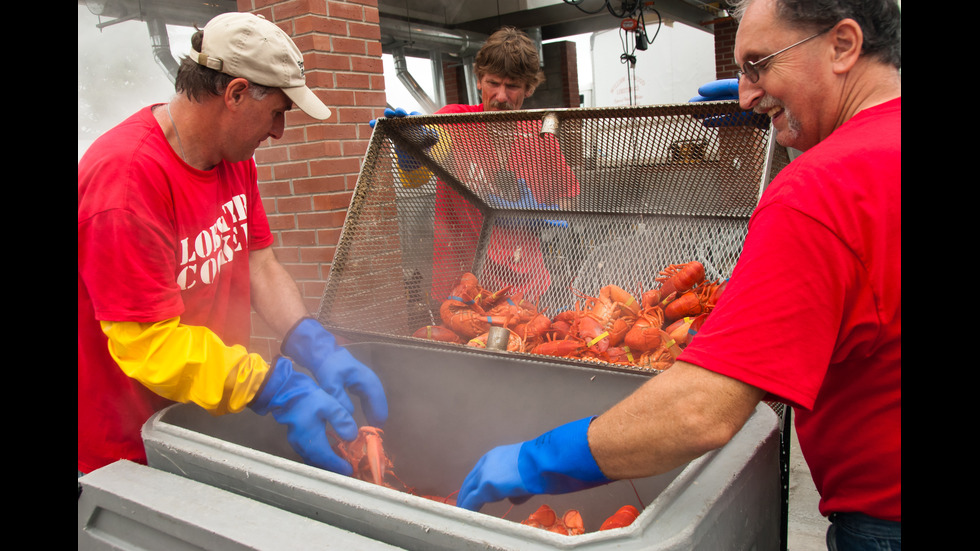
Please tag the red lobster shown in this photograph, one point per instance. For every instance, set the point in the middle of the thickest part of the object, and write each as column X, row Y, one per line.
column 699, row 300
column 678, row 278
column 465, row 312
column 367, row 455
column 437, row 333
column 623, row 517
column 570, row 524
column 569, row 347
column 535, row 330
column 515, row 307
column 466, row 321
column 645, row 333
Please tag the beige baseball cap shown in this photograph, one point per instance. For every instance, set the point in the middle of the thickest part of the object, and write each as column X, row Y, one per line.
column 249, row 46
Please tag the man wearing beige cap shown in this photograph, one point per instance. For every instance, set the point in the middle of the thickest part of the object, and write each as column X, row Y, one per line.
column 174, row 250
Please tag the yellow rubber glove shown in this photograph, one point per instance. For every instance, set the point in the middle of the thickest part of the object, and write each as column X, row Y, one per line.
column 411, row 173
column 187, row 363
column 409, row 170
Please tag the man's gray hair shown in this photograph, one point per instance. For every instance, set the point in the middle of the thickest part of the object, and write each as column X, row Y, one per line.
column 880, row 21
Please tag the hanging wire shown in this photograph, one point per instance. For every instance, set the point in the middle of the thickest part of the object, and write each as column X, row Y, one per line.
column 643, row 25
column 629, row 58
column 630, row 32
column 631, row 29
column 628, row 7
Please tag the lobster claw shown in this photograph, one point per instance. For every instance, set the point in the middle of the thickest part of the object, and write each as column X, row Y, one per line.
column 367, row 456
column 377, row 460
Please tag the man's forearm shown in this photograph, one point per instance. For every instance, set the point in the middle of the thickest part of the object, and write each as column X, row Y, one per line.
column 674, row 418
column 275, row 295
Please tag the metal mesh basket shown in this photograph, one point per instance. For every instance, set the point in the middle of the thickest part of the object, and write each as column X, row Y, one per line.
column 554, row 203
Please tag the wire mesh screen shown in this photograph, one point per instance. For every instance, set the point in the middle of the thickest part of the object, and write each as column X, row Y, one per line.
column 551, row 204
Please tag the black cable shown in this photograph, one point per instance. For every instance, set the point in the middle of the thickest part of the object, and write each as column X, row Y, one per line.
column 627, row 11
column 577, row 2
column 629, row 58
column 660, row 22
column 628, row 7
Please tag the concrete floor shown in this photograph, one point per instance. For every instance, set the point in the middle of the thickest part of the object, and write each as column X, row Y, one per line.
column 806, row 527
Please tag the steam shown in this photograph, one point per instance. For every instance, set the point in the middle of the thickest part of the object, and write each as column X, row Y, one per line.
column 117, row 74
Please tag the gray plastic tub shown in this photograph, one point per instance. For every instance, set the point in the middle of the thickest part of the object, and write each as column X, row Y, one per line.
column 447, row 408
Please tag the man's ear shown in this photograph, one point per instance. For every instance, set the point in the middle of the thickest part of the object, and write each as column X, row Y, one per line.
column 848, row 41
column 234, row 94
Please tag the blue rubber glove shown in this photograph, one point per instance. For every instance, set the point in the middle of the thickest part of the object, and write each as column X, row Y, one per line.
column 296, row 401
column 718, row 90
column 421, row 136
column 727, row 90
column 557, row 462
column 392, row 113
column 336, row 370
column 526, row 201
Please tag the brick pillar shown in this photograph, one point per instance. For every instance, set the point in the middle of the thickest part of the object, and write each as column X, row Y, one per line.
column 569, row 68
column 725, row 49
column 454, row 79
column 560, row 88
column 307, row 178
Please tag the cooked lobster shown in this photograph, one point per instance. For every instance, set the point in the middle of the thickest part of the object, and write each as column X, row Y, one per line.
column 367, row 455
column 569, row 524
column 623, row 517
column 612, row 326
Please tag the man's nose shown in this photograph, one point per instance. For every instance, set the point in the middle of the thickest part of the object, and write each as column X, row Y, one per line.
column 278, row 127
column 749, row 93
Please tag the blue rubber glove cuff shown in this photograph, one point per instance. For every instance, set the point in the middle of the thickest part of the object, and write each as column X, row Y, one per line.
column 336, row 369
column 305, row 409
column 560, row 461
column 557, row 462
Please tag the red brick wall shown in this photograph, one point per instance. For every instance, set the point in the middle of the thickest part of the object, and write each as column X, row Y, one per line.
column 725, row 49
column 306, row 179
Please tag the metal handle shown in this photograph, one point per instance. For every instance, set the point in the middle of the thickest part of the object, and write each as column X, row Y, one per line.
column 498, row 338
column 549, row 124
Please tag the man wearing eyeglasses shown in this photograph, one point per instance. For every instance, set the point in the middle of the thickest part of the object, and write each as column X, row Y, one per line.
column 812, row 314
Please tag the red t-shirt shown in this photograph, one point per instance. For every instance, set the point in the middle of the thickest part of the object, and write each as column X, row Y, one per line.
column 514, row 254
column 157, row 239
column 813, row 311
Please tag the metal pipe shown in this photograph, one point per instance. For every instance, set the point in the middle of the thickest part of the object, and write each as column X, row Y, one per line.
column 417, row 35
column 534, row 33
column 161, row 48
column 401, row 70
column 438, row 78
column 469, row 75
column 398, row 35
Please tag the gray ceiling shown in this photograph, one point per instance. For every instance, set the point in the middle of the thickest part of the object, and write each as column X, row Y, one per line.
column 416, row 27
column 557, row 18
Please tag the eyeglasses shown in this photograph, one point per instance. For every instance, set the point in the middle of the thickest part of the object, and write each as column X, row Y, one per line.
column 751, row 68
